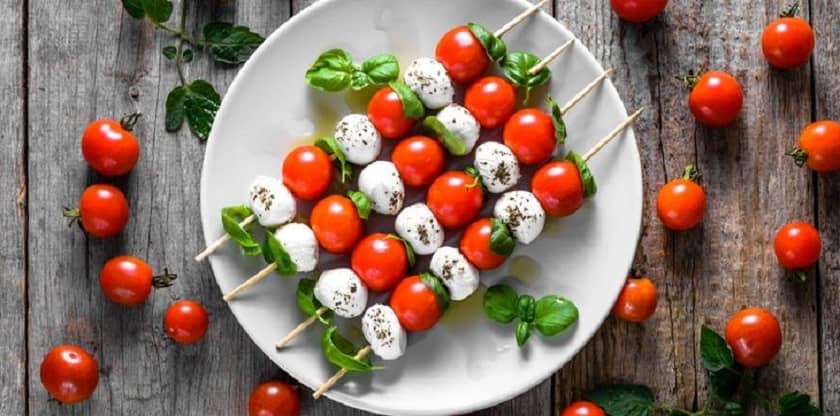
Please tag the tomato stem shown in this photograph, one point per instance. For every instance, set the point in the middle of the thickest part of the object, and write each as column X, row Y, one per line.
column 74, row 214
column 689, row 80
column 164, row 280
column 691, row 173
column 799, row 156
column 128, row 121
column 791, row 11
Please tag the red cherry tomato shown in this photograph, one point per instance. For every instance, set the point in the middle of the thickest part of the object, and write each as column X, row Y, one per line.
column 529, row 133
column 559, row 188
column 69, row 374
column 380, row 261
column 491, row 100
column 638, row 11
column 186, row 322
column 755, row 337
column 583, row 409
column 681, row 203
column 103, row 211
column 637, row 301
column 110, row 147
column 385, row 111
column 274, row 398
column 716, row 99
column 415, row 305
column 819, row 146
column 475, row 245
column 127, row 280
column 419, row 160
column 798, row 245
column 455, row 198
column 336, row 224
column 462, row 55
column 307, row 172
column 788, row 42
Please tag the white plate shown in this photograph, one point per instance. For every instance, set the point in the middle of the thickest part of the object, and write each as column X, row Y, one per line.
column 466, row 362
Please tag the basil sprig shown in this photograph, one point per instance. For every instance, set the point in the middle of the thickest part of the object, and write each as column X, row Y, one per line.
column 197, row 102
column 589, row 185
column 230, row 44
column 274, row 252
column 550, row 315
column 451, row 141
column 330, row 145
column 231, row 217
column 494, row 46
column 436, row 286
column 501, row 240
column 560, row 132
column 334, row 70
column 307, row 303
column 412, row 106
column 362, row 202
column 517, row 67
column 341, row 353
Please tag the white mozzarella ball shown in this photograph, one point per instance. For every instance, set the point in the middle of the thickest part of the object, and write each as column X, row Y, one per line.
column 460, row 122
column 383, row 332
column 381, row 182
column 430, row 81
column 418, row 226
column 299, row 241
column 459, row 276
column 358, row 139
column 522, row 213
column 271, row 202
column 497, row 165
column 342, row 292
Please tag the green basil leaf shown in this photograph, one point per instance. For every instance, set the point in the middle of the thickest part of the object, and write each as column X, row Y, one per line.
column 493, row 46
column 332, row 71
column 725, row 382
column 501, row 240
column 170, row 52
column 435, row 285
column 412, row 106
column 198, row 101
column 525, row 306
column 231, row 217
column 157, row 11
column 279, row 256
column 454, row 143
column 714, row 351
column 589, row 185
column 230, row 44
column 472, row 171
column 362, row 203
column 500, row 303
column 341, row 353
column 797, row 404
column 409, row 252
column 733, row 409
column 560, row 132
column 554, row 315
column 187, row 55
column 330, row 145
column 516, row 67
column 523, row 332
column 623, row 400
column 134, row 8
column 307, row 302
column 380, row 69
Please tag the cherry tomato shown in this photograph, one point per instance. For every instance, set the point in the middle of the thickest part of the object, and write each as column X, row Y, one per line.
column 385, row 111
column 797, row 245
column 415, row 304
column 380, row 260
column 754, row 336
column 475, row 245
column 69, row 374
column 637, row 301
column 274, row 398
column 681, row 203
column 103, row 211
column 788, row 42
column 109, row 146
column 716, row 99
column 186, row 321
column 307, row 172
column 638, row 11
column 582, row 408
column 455, row 198
column 462, row 55
column 127, row 280
column 819, row 146
column 336, row 224
column 491, row 100
column 559, row 188
column 419, row 160
column 529, row 133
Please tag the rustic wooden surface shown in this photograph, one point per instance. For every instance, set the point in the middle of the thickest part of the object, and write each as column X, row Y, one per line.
column 64, row 65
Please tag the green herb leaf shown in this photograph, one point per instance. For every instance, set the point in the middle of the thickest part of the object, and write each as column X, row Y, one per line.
column 435, row 285
column 170, row 52
column 230, row 44
column 523, row 332
column 501, row 240
column 187, row 55
column 231, row 217
column 797, row 404
column 198, row 102
column 412, row 106
column 409, row 252
column 733, row 409
column 624, row 400
column 277, row 254
column 330, row 145
column 500, row 303
column 332, row 71
column 362, row 203
column 589, row 185
column 516, row 67
column 134, row 8
column 307, row 302
column 341, row 353
column 493, row 46
column 454, row 143
column 525, row 308
column 714, row 351
column 724, row 383
column 557, row 118
column 554, row 315
column 157, row 11
column 378, row 70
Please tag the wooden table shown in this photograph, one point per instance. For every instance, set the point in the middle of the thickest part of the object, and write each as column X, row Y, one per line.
column 65, row 63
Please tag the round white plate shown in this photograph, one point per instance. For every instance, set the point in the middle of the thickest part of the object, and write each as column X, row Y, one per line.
column 466, row 362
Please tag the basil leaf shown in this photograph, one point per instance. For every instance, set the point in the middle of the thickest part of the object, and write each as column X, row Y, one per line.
column 170, row 52
column 187, row 55
column 500, row 303
column 157, row 11
column 435, row 285
column 330, row 145
column 412, row 106
column 797, row 404
column 134, row 8
column 279, row 256
column 516, row 67
column 409, row 252
column 472, row 171
column 557, row 120
column 589, row 185
column 362, row 203
column 198, row 101
column 501, row 240
column 554, row 315
column 341, row 353
column 231, row 217
column 733, row 409
column 332, row 71
column 230, row 44
column 307, row 303
column 724, row 383
column 624, row 400
column 493, row 46
column 379, row 70
column 714, row 351
column 525, row 306
column 453, row 143
column 523, row 332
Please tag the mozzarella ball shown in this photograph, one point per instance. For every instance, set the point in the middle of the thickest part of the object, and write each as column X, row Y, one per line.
column 342, row 292
column 497, row 165
column 459, row 276
column 383, row 332
column 299, row 241
column 271, row 202
column 460, row 122
column 418, row 226
column 430, row 81
column 381, row 182
column 359, row 140
column 522, row 213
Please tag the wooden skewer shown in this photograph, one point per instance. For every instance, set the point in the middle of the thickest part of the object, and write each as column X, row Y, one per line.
column 550, row 57
column 251, row 280
column 518, row 19
column 300, row 328
column 585, row 91
column 339, row 374
column 611, row 135
column 223, row 239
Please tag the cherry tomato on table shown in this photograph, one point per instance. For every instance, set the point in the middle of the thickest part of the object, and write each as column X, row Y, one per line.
column 69, row 374
column 336, row 224
column 788, row 41
column 307, row 172
column 419, row 160
column 716, row 99
column 583, row 408
column 819, row 147
column 638, row 11
column 755, row 337
column 797, row 245
column 186, row 322
column 475, row 245
column 385, row 111
column 637, row 301
column 274, row 398
column 529, row 134
column 491, row 100
column 416, row 304
column 127, row 280
column 559, row 188
column 103, row 211
column 681, row 203
column 455, row 198
column 462, row 54
column 109, row 146
column 380, row 260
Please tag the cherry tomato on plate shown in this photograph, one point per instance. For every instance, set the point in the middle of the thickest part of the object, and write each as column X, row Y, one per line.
column 583, row 408
column 681, row 203
column 755, row 337
column 819, row 147
column 637, row 301
column 336, row 224
column 380, row 260
column 491, row 100
column 559, row 188
column 385, row 111
column 109, row 146
column 462, row 54
column 274, row 398
column 186, row 322
column 127, row 280
column 638, row 11
column 69, row 374
column 788, row 41
column 416, row 304
column 716, row 99
column 419, row 160
column 529, row 134
column 307, row 172
column 455, row 198
column 475, row 245
column 103, row 211
column 797, row 245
